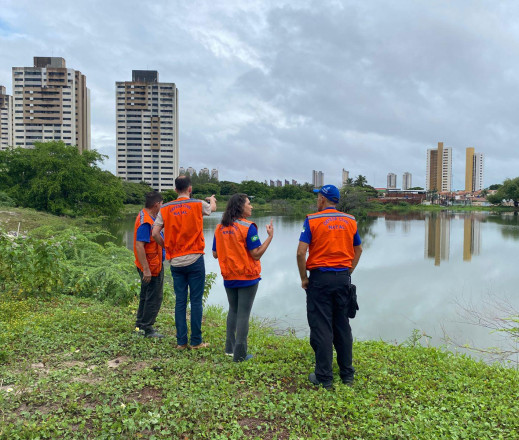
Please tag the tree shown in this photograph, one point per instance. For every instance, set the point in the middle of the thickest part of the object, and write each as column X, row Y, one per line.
column 508, row 191
column 293, row 192
column 495, row 186
column 136, row 192
column 57, row 178
column 355, row 197
column 256, row 189
column 360, row 181
column 228, row 188
column 416, row 188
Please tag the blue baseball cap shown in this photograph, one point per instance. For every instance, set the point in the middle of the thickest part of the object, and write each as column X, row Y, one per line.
column 331, row 192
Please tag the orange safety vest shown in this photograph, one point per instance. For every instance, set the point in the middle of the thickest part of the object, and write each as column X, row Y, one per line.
column 183, row 227
column 234, row 258
column 332, row 239
column 152, row 249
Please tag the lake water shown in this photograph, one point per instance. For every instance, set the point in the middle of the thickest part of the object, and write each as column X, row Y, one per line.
column 418, row 271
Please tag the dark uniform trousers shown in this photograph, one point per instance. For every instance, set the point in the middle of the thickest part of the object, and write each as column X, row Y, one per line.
column 150, row 301
column 327, row 298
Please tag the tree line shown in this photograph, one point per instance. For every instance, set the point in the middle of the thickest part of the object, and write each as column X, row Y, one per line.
column 57, row 178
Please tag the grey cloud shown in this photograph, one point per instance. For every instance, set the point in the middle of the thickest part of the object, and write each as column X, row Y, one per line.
column 276, row 89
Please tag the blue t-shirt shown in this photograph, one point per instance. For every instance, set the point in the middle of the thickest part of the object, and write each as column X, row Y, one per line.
column 253, row 242
column 144, row 234
column 306, row 237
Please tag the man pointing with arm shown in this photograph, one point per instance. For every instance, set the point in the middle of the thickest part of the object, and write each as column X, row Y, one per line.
column 334, row 247
column 182, row 221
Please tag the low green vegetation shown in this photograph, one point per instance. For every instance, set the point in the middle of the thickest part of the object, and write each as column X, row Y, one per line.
column 48, row 262
column 71, row 368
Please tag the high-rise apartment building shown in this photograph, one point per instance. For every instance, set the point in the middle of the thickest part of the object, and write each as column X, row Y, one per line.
column 50, row 102
column 345, row 177
column 6, row 123
column 439, row 169
column 214, row 174
column 473, row 170
column 391, row 181
column 204, row 171
column 407, row 181
column 147, row 130
column 317, row 178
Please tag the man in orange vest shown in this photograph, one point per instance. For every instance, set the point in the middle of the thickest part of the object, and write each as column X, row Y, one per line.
column 148, row 259
column 184, row 242
column 334, row 247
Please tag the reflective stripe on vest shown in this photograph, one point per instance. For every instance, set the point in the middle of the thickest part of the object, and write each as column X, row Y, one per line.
column 332, row 239
column 152, row 249
column 234, row 258
column 183, row 227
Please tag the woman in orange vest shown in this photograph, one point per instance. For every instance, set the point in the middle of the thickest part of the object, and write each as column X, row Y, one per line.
column 238, row 248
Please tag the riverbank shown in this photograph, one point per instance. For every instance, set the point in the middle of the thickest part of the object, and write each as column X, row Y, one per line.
column 71, row 368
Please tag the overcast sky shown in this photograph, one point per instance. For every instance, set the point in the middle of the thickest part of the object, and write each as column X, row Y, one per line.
column 274, row 89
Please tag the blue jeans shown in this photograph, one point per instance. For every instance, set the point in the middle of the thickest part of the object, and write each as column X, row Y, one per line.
column 192, row 276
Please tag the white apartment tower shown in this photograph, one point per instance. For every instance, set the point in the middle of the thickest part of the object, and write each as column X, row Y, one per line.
column 407, row 181
column 6, row 123
column 50, row 102
column 473, row 170
column 317, row 178
column 147, row 130
column 439, row 169
column 391, row 181
column 345, row 177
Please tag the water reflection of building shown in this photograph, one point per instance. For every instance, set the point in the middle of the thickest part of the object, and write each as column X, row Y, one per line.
column 390, row 225
column 437, row 238
column 406, row 226
column 471, row 237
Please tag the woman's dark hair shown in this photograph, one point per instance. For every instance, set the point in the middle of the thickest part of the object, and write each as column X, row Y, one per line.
column 234, row 209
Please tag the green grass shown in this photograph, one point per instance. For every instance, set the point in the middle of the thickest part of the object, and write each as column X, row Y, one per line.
column 60, row 379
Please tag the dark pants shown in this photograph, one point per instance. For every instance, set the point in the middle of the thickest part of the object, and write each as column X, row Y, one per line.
column 150, row 301
column 192, row 277
column 327, row 299
column 240, row 305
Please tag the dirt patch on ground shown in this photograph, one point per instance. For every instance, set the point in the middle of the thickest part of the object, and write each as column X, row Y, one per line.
column 72, row 364
column 87, row 378
column 138, row 366
column 267, row 428
column 118, row 362
column 147, row 394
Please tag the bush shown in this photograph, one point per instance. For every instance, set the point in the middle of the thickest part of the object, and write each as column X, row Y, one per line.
column 5, row 200
column 70, row 262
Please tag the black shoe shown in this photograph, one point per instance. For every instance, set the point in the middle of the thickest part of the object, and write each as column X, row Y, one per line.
column 313, row 379
column 153, row 334
column 348, row 380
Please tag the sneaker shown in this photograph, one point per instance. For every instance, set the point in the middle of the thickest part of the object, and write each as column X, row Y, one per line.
column 181, row 347
column 313, row 379
column 229, row 354
column 199, row 346
column 153, row 334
